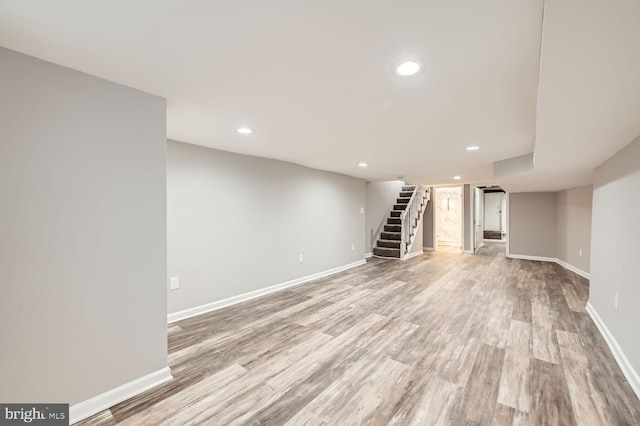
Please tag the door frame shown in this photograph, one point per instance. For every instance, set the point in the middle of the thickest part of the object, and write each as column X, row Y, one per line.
column 472, row 219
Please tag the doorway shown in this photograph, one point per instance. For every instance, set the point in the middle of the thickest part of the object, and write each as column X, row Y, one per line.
column 490, row 215
column 448, row 206
column 494, row 214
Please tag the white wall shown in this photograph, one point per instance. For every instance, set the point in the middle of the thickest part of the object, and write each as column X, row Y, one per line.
column 574, row 226
column 381, row 196
column 82, row 233
column 615, row 252
column 237, row 223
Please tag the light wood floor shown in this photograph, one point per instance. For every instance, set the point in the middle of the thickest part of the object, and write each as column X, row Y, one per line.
column 444, row 338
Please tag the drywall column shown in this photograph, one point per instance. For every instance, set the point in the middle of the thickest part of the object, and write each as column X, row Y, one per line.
column 615, row 250
column 467, row 215
column 428, row 224
column 532, row 224
column 574, row 227
column 83, row 233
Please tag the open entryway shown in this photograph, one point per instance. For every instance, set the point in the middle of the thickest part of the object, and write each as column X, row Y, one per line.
column 489, row 215
column 448, row 214
column 495, row 213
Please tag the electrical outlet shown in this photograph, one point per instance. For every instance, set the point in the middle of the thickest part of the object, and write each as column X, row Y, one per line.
column 353, row 247
column 580, row 252
column 301, row 258
column 361, row 209
column 175, row 283
column 616, row 301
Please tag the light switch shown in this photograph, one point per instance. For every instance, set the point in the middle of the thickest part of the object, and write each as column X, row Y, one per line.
column 175, row 283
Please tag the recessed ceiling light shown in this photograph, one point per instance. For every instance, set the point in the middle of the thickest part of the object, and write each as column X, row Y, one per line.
column 362, row 164
column 473, row 148
column 457, row 177
column 245, row 130
column 408, row 68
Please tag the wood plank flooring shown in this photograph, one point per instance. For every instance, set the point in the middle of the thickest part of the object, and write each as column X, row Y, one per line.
column 441, row 339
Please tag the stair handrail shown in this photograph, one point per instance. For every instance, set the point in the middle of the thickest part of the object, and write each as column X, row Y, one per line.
column 413, row 195
column 414, row 212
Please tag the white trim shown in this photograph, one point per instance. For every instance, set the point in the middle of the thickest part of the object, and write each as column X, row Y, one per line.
column 428, row 249
column 368, row 255
column 627, row 369
column 467, row 251
column 208, row 307
column 573, row 268
column 489, row 240
column 108, row 399
column 410, row 255
column 508, row 224
column 554, row 260
column 526, row 257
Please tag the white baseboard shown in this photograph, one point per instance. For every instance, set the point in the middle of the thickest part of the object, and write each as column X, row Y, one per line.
column 208, row 307
column 554, row 260
column 110, row 398
column 467, row 251
column 417, row 253
column 527, row 257
column 627, row 369
column 368, row 255
column 572, row 268
column 428, row 249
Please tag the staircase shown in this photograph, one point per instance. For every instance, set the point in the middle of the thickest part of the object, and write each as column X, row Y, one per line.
column 399, row 231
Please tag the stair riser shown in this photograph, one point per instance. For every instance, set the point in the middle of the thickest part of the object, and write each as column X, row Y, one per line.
column 402, row 200
column 408, row 188
column 406, row 194
column 389, row 244
column 393, row 221
column 399, row 206
column 393, row 228
column 395, row 214
column 391, row 235
column 387, row 252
